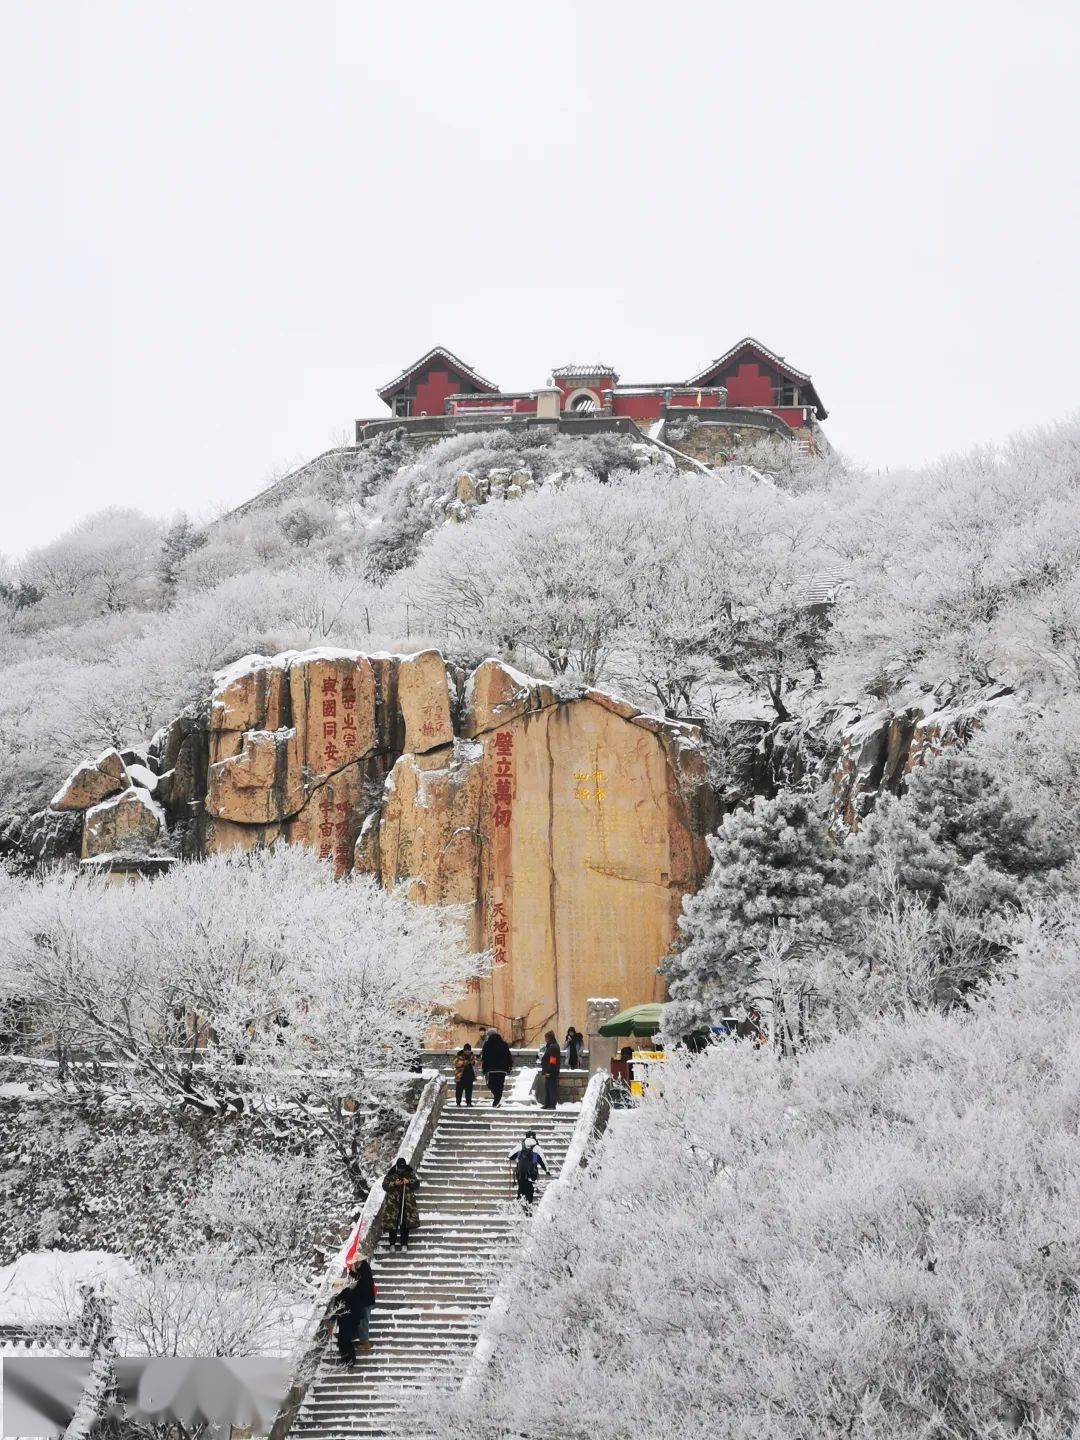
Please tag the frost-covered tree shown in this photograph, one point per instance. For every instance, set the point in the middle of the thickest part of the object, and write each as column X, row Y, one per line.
column 256, row 986
column 180, row 540
column 103, row 564
column 957, row 829
column 776, row 889
column 877, row 1242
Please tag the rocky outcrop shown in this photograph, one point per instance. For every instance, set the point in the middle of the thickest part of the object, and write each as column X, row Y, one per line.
column 569, row 829
column 92, row 782
column 872, row 754
column 126, row 825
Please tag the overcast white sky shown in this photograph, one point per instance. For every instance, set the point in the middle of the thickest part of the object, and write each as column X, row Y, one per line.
column 226, row 224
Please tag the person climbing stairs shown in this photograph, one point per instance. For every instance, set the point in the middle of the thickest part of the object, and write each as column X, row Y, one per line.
column 433, row 1296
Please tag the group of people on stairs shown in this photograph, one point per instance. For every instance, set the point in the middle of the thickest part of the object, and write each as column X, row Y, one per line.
column 400, row 1215
column 496, row 1061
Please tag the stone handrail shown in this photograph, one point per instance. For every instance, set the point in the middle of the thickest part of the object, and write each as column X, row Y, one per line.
column 309, row 1351
column 595, row 1108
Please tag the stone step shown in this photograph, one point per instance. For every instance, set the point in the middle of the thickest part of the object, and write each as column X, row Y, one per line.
column 433, row 1297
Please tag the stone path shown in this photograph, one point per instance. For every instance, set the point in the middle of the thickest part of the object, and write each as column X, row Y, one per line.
column 433, row 1296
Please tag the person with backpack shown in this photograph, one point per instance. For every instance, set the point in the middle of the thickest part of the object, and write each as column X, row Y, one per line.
column 399, row 1212
column 496, row 1062
column 550, row 1063
column 527, row 1161
column 353, row 1312
column 464, row 1074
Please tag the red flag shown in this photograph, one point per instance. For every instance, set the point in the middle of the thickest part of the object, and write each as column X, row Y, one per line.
column 353, row 1248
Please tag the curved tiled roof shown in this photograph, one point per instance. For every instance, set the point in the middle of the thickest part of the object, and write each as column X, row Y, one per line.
column 483, row 386
column 748, row 343
column 583, row 372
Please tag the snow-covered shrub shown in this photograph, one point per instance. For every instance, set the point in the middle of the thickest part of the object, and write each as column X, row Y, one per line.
column 879, row 1240
column 250, row 985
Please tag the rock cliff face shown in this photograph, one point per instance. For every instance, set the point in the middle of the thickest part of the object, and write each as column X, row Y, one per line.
column 567, row 830
column 571, row 831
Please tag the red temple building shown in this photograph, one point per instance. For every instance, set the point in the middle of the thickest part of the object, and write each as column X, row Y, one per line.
column 749, row 385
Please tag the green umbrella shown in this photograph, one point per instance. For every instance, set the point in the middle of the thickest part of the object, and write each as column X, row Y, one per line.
column 643, row 1020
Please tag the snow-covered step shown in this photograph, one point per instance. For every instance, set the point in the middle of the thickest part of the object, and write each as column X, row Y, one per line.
column 433, row 1297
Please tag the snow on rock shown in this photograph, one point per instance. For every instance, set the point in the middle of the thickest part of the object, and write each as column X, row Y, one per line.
column 126, row 824
column 143, row 777
column 92, row 782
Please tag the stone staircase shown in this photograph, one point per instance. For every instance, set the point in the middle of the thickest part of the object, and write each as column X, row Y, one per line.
column 433, row 1296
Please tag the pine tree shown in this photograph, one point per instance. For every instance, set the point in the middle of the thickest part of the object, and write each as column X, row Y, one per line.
column 778, row 875
column 957, row 830
column 178, row 542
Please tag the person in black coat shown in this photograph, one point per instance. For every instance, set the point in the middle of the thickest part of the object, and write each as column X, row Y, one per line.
column 574, row 1040
column 550, row 1062
column 354, row 1312
column 496, row 1062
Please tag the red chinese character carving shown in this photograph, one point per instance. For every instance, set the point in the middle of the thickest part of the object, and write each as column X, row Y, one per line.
column 326, row 829
column 326, row 803
column 349, row 737
column 503, row 767
column 331, row 751
column 348, row 691
column 329, row 708
column 504, row 743
column 502, row 790
column 329, row 685
column 500, row 817
column 329, row 729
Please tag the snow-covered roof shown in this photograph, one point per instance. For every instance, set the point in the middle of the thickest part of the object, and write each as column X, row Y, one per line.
column 438, row 352
column 583, row 372
column 748, row 343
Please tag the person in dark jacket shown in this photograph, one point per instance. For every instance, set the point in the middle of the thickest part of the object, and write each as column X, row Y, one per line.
column 464, row 1074
column 550, row 1063
column 354, row 1312
column 399, row 1212
column 574, row 1040
column 527, row 1162
column 496, row 1062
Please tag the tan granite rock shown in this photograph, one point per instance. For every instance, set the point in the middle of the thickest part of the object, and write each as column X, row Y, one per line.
column 259, row 785
column 223, row 836
column 569, row 831
column 424, row 697
column 496, row 694
column 333, row 707
column 250, row 695
column 437, row 859
column 126, row 824
column 92, row 782
column 331, row 820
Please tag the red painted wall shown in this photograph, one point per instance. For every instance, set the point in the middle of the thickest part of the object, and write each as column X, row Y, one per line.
column 749, row 385
column 694, row 400
column 520, row 404
column 638, row 407
column 598, row 386
column 431, row 392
